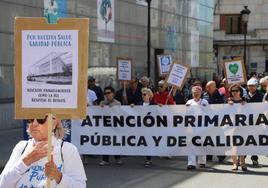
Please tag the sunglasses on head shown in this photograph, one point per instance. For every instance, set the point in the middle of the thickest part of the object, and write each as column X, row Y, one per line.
column 235, row 90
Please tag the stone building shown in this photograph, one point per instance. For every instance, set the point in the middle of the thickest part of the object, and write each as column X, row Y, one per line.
column 229, row 33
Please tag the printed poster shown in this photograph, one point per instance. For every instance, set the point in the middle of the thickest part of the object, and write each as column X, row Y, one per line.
column 54, row 9
column 235, row 72
column 177, row 75
column 49, row 68
column 194, row 40
column 124, row 69
column 164, row 63
column 105, row 11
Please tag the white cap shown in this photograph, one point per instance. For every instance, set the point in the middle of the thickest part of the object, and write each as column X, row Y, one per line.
column 252, row 81
column 264, row 80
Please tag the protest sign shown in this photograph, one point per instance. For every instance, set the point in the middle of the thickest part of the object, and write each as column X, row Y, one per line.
column 177, row 75
column 234, row 71
column 174, row 130
column 51, row 67
column 164, row 64
column 124, row 69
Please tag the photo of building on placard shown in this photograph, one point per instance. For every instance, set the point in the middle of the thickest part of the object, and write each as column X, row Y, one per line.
column 53, row 68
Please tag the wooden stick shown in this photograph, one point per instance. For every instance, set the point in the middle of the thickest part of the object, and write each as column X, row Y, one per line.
column 49, row 143
column 124, row 93
column 169, row 94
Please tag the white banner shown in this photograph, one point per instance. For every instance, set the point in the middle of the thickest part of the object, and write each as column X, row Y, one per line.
column 174, row 130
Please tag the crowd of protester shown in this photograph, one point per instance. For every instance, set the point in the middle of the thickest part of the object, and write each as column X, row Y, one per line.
column 195, row 92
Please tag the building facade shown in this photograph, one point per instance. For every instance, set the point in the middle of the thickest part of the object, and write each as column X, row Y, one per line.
column 181, row 28
column 229, row 33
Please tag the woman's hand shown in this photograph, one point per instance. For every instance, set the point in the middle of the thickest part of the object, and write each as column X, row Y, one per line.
column 36, row 153
column 52, row 172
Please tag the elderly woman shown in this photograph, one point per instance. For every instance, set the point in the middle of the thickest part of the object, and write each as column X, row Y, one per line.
column 236, row 96
column 196, row 101
column 28, row 165
column 147, row 96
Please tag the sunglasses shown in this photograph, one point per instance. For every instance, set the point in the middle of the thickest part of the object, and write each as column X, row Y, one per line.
column 235, row 90
column 40, row 121
column 107, row 93
column 144, row 94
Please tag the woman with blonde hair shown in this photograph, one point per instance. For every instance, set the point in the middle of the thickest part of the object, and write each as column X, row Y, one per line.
column 28, row 165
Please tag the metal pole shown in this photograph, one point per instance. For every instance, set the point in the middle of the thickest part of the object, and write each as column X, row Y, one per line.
column 245, row 47
column 149, row 39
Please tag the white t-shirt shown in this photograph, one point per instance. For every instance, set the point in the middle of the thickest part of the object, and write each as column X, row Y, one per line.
column 91, row 97
column 192, row 102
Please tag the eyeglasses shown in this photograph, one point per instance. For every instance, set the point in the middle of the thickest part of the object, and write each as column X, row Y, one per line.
column 40, row 121
column 235, row 90
column 107, row 93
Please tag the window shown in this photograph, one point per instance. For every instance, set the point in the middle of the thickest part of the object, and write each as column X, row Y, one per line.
column 231, row 23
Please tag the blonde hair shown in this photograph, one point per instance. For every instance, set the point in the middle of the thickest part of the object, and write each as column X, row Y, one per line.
column 59, row 130
column 148, row 91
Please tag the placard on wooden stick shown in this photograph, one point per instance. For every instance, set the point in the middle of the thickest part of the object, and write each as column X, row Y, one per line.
column 124, row 69
column 177, row 75
column 51, row 67
column 164, row 63
column 234, row 71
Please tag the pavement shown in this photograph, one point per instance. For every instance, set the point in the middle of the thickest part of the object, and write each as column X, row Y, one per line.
column 165, row 173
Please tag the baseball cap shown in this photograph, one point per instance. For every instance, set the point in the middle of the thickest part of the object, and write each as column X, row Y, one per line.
column 252, row 81
column 90, row 78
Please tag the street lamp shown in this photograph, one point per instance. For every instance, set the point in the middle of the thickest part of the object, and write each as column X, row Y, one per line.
column 149, row 38
column 245, row 15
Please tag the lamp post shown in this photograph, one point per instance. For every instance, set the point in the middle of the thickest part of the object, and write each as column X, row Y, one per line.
column 245, row 15
column 149, row 38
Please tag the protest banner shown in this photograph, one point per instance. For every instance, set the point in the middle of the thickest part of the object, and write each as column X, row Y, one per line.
column 174, row 130
column 234, row 71
column 48, row 59
column 164, row 63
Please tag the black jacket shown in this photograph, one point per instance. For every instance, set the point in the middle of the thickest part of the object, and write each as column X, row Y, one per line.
column 216, row 98
column 257, row 97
